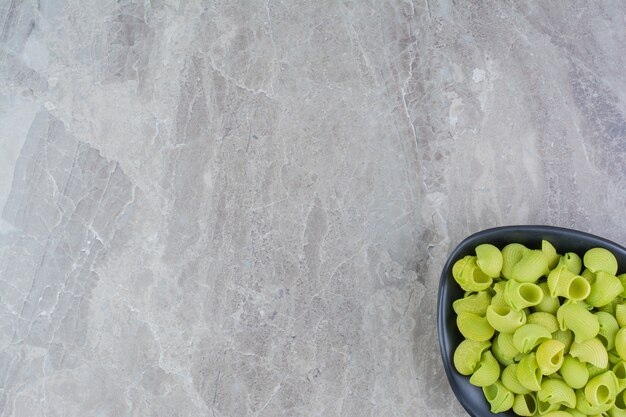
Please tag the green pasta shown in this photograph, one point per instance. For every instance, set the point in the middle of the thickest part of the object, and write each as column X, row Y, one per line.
column 521, row 295
column 620, row 343
column 548, row 304
column 601, row 389
column 608, row 329
column 503, row 349
column 555, row 391
column 533, row 265
column 500, row 398
column 510, row 381
column 476, row 279
column 591, row 351
column 575, row 413
column 474, row 327
column 528, row 372
column 550, row 356
column 544, row 334
column 622, row 279
column 619, row 407
column 525, row 405
column 594, row 370
column 557, row 413
column 459, row 266
column 544, row 407
column 600, row 259
column 546, row 320
column 585, row 407
column 572, row 262
column 505, row 320
column 564, row 336
column 610, row 307
column 619, row 369
column 468, row 354
column 564, row 283
column 588, row 275
column 604, row 289
column 487, row 371
column 469, row 276
column 620, row 314
column 550, row 252
column 574, row 372
column 511, row 255
column 614, row 358
column 489, row 259
column 575, row 317
column 474, row 303
column 530, row 335
column 498, row 297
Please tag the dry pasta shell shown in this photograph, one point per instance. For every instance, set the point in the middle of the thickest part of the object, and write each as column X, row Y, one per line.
column 557, row 413
column 591, row 351
column 548, row 249
column 620, row 343
column 503, row 349
column 608, row 329
column 511, row 255
column 548, row 304
column 473, row 279
column 487, row 371
column 500, row 398
column 498, row 297
column 489, row 259
column 622, row 279
column 600, row 259
column 572, row 262
column 619, row 369
column 619, row 408
column 574, row 372
column 555, row 391
column 588, row 275
column 575, row 413
column 564, row 336
column 604, row 290
column 583, row 406
column 545, row 408
column 546, row 320
column 521, row 295
column 468, row 354
column 575, row 317
column 504, row 319
column 474, row 327
column 476, row 303
column 564, row 283
column 530, row 335
column 620, row 314
column 525, row 405
column 550, row 356
column 602, row 389
column 459, row 266
column 533, row 265
column 510, row 381
column 528, row 372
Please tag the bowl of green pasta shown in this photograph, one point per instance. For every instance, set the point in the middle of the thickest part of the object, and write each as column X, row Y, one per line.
column 532, row 321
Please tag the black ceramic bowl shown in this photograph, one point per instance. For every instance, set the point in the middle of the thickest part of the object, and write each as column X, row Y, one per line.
column 564, row 240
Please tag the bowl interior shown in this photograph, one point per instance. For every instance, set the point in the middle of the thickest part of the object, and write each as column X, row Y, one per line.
column 564, row 240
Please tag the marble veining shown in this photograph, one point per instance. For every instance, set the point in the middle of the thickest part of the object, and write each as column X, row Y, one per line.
column 242, row 208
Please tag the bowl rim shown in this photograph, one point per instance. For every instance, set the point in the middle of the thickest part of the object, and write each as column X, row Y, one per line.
column 452, row 257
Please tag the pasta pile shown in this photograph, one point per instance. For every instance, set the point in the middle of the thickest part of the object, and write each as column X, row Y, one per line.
column 545, row 334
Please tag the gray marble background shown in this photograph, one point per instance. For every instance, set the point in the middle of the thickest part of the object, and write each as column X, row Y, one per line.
column 242, row 208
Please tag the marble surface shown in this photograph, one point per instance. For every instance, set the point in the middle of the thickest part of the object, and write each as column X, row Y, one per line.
column 242, row 208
